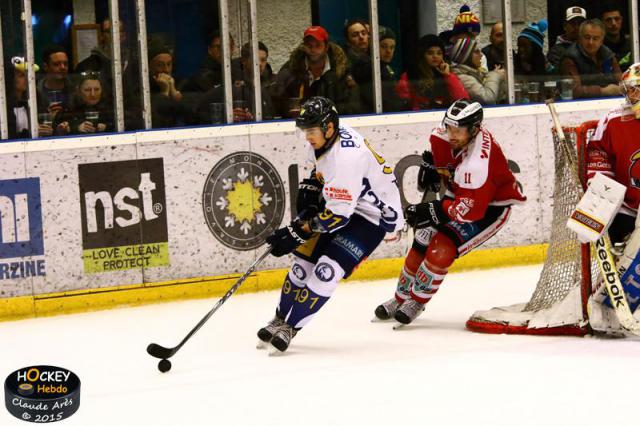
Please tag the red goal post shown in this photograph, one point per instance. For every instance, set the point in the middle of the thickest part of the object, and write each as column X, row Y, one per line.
column 558, row 305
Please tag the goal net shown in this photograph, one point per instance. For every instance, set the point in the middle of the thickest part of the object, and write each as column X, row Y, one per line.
column 558, row 304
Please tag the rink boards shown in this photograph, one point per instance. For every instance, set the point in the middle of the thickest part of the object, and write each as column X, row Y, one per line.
column 141, row 217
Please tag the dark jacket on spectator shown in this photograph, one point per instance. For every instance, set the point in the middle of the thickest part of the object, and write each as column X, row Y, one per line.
column 493, row 55
column 555, row 53
column 208, row 76
column 293, row 82
column 391, row 101
column 622, row 50
column 76, row 115
column 98, row 61
column 166, row 111
column 588, row 76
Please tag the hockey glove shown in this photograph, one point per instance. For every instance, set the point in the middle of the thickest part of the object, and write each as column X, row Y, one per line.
column 424, row 215
column 428, row 176
column 310, row 198
column 287, row 239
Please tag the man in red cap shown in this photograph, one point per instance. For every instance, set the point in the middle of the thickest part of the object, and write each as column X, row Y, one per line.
column 317, row 67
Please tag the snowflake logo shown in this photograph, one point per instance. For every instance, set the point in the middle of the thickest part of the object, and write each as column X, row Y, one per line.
column 243, row 200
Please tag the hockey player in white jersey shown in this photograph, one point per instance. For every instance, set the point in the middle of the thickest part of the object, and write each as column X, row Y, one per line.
column 348, row 204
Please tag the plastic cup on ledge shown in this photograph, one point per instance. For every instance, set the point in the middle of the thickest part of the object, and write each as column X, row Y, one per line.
column 534, row 91
column 216, row 112
column 294, row 105
column 45, row 118
column 566, row 89
column 517, row 89
column 550, row 89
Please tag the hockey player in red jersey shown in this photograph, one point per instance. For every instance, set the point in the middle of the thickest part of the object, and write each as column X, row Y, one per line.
column 614, row 150
column 477, row 204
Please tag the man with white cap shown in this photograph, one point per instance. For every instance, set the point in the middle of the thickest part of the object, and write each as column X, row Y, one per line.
column 575, row 16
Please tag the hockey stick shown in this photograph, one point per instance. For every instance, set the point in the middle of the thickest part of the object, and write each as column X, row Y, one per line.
column 602, row 246
column 163, row 353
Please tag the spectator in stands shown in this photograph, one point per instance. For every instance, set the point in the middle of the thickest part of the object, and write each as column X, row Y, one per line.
column 91, row 109
column 485, row 87
column 494, row 52
column 530, row 62
column 17, row 106
column 466, row 25
column 592, row 65
column 54, row 88
column 573, row 18
column 243, row 89
column 99, row 61
column 388, row 76
column 318, row 67
column 210, row 72
column 430, row 84
column 167, row 109
column 357, row 49
column 614, row 38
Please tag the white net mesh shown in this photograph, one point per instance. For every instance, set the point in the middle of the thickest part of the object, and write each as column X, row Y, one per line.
column 562, row 270
column 556, row 306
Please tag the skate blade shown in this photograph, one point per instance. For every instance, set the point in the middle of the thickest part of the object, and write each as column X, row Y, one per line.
column 274, row 352
column 376, row 319
column 261, row 345
column 399, row 326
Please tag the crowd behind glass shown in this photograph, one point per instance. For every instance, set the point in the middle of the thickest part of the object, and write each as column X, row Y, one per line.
column 585, row 61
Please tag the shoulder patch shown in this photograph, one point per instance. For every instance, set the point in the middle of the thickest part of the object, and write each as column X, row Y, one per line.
column 473, row 171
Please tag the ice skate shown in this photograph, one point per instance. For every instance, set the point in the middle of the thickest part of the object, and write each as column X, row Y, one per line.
column 409, row 311
column 387, row 310
column 283, row 336
column 265, row 334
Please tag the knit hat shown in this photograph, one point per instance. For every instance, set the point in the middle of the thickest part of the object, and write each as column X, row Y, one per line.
column 157, row 47
column 466, row 22
column 19, row 64
column 386, row 32
column 535, row 32
column 426, row 42
column 462, row 49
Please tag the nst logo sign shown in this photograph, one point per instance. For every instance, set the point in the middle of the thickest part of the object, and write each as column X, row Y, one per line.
column 124, row 221
column 21, row 228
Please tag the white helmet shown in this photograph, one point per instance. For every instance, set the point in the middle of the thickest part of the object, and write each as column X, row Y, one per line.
column 630, row 86
column 464, row 113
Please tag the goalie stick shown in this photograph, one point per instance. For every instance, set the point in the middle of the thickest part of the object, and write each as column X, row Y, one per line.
column 602, row 246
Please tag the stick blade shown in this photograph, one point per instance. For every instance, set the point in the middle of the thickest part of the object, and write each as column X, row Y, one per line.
column 158, row 351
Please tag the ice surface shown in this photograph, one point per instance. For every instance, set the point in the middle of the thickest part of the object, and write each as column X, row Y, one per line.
column 340, row 370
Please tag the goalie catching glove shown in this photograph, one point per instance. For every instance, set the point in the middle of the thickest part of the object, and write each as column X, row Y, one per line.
column 424, row 215
column 285, row 240
column 428, row 176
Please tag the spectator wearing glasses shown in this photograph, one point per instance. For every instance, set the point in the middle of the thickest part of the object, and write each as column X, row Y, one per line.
column 430, row 84
column 317, row 67
column 574, row 16
column 592, row 65
column 210, row 72
column 485, row 87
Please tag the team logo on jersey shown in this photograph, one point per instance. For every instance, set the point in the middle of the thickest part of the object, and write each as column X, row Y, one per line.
column 325, row 272
column 634, row 169
column 243, row 200
column 298, row 271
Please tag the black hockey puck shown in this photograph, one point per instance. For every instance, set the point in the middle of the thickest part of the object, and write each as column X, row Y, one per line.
column 42, row 394
column 164, row 365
